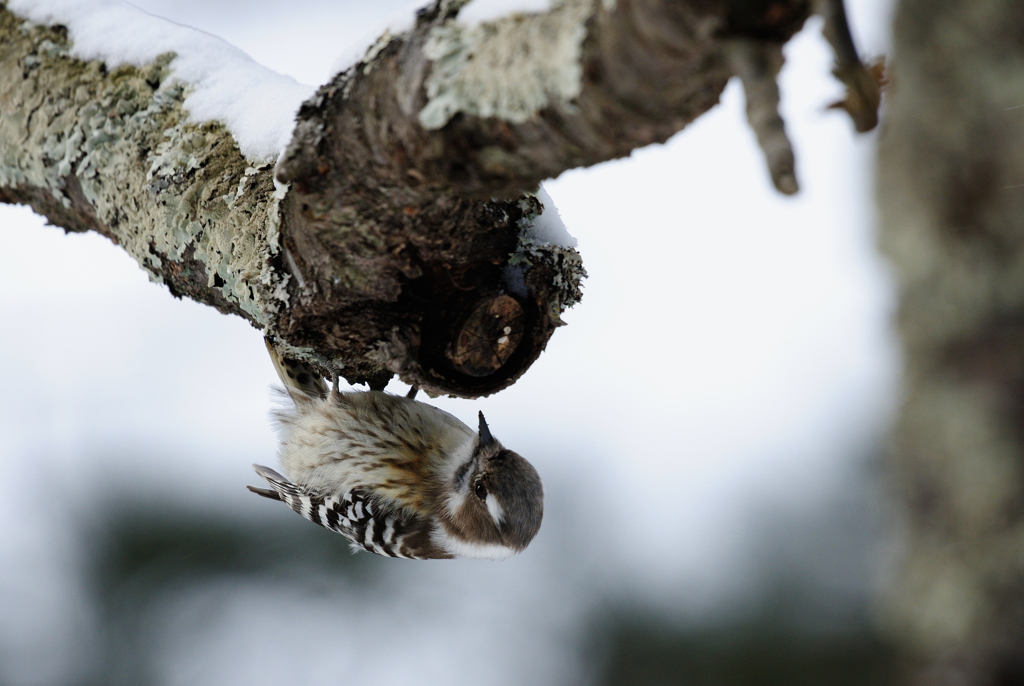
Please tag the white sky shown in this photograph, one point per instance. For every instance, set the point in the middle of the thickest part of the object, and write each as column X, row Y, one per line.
column 732, row 356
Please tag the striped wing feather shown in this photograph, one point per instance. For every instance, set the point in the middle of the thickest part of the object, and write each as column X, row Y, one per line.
column 357, row 516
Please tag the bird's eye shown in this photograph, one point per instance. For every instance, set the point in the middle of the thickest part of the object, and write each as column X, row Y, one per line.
column 481, row 491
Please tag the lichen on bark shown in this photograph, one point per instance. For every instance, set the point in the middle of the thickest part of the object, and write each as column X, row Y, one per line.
column 546, row 66
column 115, row 152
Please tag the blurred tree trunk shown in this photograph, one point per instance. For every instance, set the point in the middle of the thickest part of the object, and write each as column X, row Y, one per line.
column 951, row 190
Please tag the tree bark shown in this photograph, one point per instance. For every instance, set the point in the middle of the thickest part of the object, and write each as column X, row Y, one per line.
column 392, row 239
column 951, row 189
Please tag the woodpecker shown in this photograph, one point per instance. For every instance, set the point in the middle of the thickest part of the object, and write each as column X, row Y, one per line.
column 398, row 477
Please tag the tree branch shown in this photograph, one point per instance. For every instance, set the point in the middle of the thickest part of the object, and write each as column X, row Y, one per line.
column 396, row 237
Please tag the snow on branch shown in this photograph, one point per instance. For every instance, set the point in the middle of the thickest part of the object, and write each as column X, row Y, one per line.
column 256, row 104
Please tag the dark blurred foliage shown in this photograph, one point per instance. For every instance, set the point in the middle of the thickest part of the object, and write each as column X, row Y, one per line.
column 142, row 557
column 806, row 622
column 764, row 649
column 148, row 548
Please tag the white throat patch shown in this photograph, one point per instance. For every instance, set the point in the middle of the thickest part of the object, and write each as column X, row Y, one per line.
column 477, row 551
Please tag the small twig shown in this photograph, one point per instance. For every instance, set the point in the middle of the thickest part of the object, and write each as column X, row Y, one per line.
column 757, row 63
column 863, row 83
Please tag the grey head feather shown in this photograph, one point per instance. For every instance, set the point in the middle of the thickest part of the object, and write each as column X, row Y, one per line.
column 517, row 486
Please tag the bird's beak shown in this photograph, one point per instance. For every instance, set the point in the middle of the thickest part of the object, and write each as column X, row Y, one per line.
column 485, row 434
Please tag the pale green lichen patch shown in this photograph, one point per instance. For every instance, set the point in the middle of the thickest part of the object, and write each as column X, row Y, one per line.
column 565, row 263
column 164, row 188
column 508, row 69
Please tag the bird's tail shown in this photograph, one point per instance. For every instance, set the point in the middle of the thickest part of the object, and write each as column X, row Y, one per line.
column 283, row 489
column 309, row 505
column 295, row 375
column 265, row 492
column 292, row 495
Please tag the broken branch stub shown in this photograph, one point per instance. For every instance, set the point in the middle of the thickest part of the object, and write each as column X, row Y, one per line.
column 433, row 305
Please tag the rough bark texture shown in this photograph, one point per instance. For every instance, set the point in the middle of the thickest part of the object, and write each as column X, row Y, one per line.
column 112, row 152
column 392, row 240
column 951, row 183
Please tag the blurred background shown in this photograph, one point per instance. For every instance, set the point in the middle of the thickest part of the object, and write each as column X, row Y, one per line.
column 708, row 429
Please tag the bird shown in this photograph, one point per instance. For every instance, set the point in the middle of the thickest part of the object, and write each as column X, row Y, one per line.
column 398, row 477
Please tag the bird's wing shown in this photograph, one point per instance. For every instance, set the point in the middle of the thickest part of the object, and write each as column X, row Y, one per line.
column 357, row 516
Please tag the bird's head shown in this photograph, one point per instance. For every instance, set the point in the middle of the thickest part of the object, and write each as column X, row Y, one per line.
column 494, row 504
